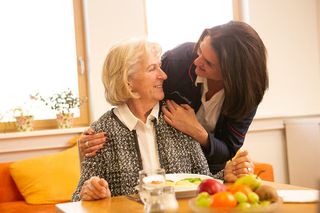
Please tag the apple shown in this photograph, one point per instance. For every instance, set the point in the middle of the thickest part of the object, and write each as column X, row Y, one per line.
column 211, row 186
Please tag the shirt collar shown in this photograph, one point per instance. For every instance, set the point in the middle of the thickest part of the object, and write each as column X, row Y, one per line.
column 130, row 120
column 203, row 81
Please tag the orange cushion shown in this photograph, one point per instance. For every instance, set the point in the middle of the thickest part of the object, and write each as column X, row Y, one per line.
column 8, row 189
column 264, row 170
column 49, row 178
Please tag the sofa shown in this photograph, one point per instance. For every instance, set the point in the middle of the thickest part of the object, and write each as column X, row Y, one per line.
column 11, row 199
column 37, row 184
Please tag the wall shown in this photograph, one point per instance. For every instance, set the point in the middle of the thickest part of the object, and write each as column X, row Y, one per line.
column 22, row 145
column 291, row 37
column 107, row 22
column 290, row 30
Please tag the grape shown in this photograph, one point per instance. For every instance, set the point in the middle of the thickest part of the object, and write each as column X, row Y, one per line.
column 244, row 205
column 203, row 199
column 253, row 197
column 255, row 205
column 240, row 197
column 265, row 203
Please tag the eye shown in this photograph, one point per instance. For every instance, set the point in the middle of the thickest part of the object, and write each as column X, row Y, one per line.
column 151, row 68
column 154, row 67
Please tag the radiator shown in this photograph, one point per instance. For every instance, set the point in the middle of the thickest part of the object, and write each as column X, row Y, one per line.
column 303, row 150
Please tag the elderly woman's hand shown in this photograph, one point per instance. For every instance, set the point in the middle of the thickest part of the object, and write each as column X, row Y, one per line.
column 90, row 142
column 95, row 188
column 241, row 165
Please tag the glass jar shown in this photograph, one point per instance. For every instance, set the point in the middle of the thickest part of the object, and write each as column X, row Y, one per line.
column 155, row 202
column 169, row 199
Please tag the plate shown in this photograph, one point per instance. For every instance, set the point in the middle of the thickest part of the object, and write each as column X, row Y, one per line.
column 186, row 191
column 263, row 209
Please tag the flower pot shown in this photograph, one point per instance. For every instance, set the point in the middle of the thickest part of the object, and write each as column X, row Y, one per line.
column 24, row 123
column 64, row 120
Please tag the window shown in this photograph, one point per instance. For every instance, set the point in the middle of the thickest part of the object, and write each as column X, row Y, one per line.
column 42, row 51
column 173, row 22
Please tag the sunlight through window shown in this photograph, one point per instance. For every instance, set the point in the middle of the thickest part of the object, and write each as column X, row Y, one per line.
column 172, row 22
column 38, row 53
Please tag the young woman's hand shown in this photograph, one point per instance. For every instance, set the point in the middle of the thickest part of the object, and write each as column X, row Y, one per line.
column 90, row 142
column 183, row 118
column 239, row 166
column 94, row 189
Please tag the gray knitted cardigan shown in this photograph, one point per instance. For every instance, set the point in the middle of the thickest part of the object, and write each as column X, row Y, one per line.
column 119, row 161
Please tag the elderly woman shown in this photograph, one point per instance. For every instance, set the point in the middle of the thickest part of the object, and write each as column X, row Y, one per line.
column 138, row 136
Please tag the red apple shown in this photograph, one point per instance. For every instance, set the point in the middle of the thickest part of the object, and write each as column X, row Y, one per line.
column 211, row 186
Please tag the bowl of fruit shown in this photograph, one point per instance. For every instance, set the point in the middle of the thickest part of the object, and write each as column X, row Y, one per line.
column 247, row 194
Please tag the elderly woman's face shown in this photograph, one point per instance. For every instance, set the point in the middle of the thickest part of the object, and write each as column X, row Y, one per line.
column 148, row 81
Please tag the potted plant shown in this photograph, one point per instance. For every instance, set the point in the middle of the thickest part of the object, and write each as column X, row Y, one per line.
column 24, row 121
column 64, row 104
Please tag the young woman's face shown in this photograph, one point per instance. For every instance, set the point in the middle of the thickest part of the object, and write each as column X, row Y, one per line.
column 148, row 81
column 207, row 63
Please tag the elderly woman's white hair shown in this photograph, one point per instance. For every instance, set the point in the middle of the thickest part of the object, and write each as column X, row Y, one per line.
column 122, row 60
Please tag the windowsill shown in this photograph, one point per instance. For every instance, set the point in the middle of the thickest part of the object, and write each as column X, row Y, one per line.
column 23, row 145
column 36, row 133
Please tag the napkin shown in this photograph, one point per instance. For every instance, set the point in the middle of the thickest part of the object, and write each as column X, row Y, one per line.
column 299, row 196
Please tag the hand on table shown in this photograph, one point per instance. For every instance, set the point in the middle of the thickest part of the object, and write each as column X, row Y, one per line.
column 239, row 166
column 90, row 142
column 95, row 188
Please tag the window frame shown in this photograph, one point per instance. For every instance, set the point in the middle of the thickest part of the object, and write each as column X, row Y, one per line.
column 84, row 118
column 237, row 11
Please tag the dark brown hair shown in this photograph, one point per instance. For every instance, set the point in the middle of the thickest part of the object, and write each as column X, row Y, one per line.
column 242, row 57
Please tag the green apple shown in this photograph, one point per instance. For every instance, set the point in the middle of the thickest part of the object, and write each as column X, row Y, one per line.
column 250, row 180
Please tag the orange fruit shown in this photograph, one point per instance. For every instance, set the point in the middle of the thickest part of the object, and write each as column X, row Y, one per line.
column 239, row 188
column 224, row 200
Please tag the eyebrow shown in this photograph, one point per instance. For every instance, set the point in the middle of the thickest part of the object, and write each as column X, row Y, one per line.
column 154, row 64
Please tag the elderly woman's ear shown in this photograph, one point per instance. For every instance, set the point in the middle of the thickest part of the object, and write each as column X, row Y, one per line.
column 130, row 86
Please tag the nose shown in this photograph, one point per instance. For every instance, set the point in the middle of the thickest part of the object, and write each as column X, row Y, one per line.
column 162, row 74
column 198, row 61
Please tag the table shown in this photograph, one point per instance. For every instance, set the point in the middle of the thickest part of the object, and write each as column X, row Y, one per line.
column 122, row 204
